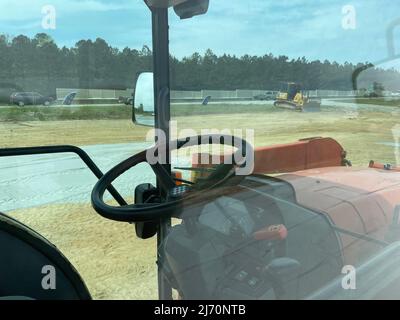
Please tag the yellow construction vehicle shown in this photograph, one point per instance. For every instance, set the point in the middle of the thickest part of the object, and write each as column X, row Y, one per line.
column 291, row 96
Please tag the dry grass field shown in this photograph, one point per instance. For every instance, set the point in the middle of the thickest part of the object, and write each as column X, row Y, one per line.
column 114, row 263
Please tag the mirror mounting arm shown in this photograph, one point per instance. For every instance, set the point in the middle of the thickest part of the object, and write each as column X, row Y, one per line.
column 161, row 69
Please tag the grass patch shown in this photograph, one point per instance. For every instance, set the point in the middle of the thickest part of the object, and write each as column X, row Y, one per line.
column 183, row 110
column 40, row 113
column 119, row 112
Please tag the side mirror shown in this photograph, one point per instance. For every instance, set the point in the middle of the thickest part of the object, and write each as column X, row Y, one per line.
column 143, row 100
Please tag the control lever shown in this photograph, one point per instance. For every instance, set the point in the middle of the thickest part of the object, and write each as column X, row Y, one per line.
column 273, row 232
column 283, row 267
column 282, row 271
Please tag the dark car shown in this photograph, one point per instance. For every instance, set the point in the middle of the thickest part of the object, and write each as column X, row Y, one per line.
column 6, row 89
column 126, row 100
column 32, row 98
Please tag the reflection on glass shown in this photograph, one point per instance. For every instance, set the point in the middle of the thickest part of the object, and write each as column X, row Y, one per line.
column 144, row 99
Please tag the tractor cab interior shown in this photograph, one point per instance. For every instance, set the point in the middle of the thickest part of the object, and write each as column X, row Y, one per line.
column 246, row 243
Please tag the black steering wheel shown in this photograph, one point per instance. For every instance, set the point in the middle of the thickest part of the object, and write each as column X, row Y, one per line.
column 153, row 211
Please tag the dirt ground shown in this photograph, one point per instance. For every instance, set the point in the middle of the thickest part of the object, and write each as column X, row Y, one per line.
column 75, row 132
column 359, row 132
column 113, row 262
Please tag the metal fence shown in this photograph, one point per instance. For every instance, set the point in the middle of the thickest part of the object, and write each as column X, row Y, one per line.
column 108, row 95
column 249, row 94
column 83, row 94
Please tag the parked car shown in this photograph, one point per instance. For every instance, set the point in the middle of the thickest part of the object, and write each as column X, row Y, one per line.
column 30, row 98
column 126, row 100
column 6, row 89
column 268, row 95
column 396, row 93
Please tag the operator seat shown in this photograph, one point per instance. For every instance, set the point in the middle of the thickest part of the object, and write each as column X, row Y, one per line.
column 26, row 257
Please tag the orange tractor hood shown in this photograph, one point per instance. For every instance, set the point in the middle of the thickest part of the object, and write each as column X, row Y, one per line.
column 361, row 200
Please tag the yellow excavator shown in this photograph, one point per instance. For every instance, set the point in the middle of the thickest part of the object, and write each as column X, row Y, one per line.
column 291, row 96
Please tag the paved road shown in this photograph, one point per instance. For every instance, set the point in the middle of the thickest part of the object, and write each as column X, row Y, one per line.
column 63, row 178
column 42, row 179
column 357, row 106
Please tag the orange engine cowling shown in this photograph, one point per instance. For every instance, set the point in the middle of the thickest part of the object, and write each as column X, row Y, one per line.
column 301, row 155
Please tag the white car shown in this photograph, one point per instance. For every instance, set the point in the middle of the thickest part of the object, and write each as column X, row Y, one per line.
column 396, row 93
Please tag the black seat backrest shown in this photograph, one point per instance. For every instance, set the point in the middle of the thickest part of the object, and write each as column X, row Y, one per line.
column 26, row 258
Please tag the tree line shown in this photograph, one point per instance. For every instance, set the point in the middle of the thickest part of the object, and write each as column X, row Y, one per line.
column 39, row 64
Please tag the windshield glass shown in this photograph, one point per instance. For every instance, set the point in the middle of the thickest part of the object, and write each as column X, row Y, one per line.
column 262, row 49
column 67, row 72
column 314, row 87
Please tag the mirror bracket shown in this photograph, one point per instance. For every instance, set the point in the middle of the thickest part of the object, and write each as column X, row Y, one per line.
column 185, row 9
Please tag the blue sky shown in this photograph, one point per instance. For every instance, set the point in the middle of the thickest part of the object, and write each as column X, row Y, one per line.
column 310, row 28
